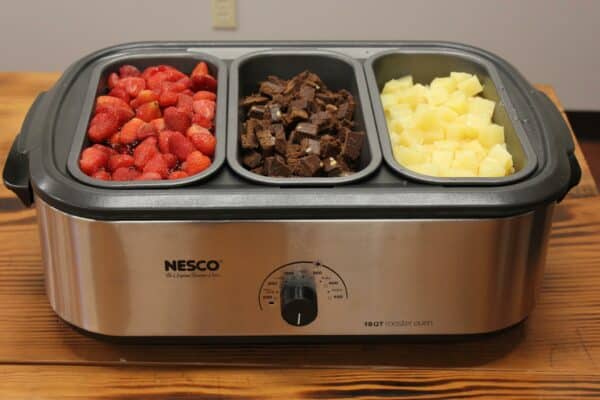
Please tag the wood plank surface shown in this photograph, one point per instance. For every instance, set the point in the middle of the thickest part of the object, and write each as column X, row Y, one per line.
column 554, row 354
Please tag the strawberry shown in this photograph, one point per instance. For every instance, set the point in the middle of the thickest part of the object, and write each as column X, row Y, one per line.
column 205, row 95
column 101, row 174
column 119, row 93
column 156, row 81
column 125, row 174
column 92, row 159
column 185, row 82
column 176, row 120
column 150, row 71
column 149, row 111
column 112, row 80
column 180, row 145
column 159, row 124
column 145, row 96
column 168, row 98
column 115, row 140
column 129, row 131
column 189, row 92
column 146, row 130
column 196, row 162
column 120, row 161
column 129, row 71
column 157, row 164
column 163, row 140
column 105, row 149
column 185, row 103
column 132, row 85
column 115, row 105
column 178, row 175
column 144, row 152
column 200, row 69
column 102, row 126
column 198, row 119
column 149, row 176
column 170, row 159
column 204, row 82
column 204, row 141
column 205, row 108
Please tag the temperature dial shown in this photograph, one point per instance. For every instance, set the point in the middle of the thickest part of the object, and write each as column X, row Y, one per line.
column 298, row 300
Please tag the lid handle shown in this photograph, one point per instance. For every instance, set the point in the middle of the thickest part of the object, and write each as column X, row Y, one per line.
column 16, row 173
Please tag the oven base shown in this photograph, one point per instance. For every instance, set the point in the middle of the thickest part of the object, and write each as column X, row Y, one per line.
column 221, row 280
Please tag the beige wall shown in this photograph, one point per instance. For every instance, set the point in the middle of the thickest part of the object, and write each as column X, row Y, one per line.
column 548, row 40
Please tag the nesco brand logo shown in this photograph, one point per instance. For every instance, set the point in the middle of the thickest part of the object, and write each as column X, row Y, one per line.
column 192, row 265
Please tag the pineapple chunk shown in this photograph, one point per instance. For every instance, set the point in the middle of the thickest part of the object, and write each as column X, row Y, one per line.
column 475, row 147
column 499, row 153
column 450, row 145
column 458, row 173
column 409, row 155
column 459, row 76
column 491, row 167
column 398, row 84
column 432, row 136
column 442, row 158
column 436, row 96
column 471, row 86
column 458, row 102
column 446, row 83
column 465, row 159
column 446, row 114
column 388, row 100
column 482, row 107
column 426, row 169
column 491, row 135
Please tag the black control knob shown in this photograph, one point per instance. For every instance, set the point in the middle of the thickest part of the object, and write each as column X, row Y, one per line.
column 298, row 301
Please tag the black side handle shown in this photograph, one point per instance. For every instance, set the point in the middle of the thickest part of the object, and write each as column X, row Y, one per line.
column 555, row 120
column 16, row 168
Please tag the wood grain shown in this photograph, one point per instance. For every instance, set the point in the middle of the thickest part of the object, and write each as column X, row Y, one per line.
column 554, row 354
column 150, row 383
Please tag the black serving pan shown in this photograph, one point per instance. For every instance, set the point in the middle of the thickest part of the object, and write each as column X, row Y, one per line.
column 37, row 165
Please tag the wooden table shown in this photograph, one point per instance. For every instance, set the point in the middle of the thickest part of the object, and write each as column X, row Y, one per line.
column 555, row 354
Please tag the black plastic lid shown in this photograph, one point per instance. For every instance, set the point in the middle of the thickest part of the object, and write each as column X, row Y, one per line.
column 48, row 133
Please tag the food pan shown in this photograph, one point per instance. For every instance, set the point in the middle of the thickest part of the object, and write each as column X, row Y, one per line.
column 336, row 70
column 425, row 65
column 185, row 62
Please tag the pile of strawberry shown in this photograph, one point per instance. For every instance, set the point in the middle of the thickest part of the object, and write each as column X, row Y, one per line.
column 155, row 124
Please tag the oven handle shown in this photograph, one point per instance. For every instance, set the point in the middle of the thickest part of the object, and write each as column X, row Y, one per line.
column 16, row 168
column 559, row 127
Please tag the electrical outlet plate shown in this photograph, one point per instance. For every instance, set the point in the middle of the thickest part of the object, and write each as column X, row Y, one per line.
column 224, row 14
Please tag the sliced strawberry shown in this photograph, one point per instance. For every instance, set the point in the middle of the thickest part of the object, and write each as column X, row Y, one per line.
column 115, row 105
column 105, row 149
column 132, row 85
column 157, row 164
column 163, row 140
column 112, row 80
column 146, row 130
column 145, row 96
column 176, row 120
column 119, row 93
column 185, row 103
column 156, row 81
column 149, row 176
column 102, row 175
column 129, row 131
column 168, row 98
column 170, row 159
column 186, row 82
column 205, row 95
column 180, row 145
column 178, row 175
column 204, row 82
column 102, row 127
column 159, row 124
column 205, row 108
column 200, row 69
column 92, row 159
column 196, row 162
column 119, row 161
column 115, row 140
column 150, row 71
column 129, row 71
column 149, row 111
column 144, row 152
column 198, row 119
column 205, row 142
column 125, row 174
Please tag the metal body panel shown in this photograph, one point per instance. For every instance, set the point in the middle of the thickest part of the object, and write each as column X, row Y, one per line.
column 410, row 276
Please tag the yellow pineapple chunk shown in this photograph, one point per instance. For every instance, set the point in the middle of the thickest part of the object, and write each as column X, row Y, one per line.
column 491, row 135
column 482, row 107
column 471, row 86
column 409, row 155
column 458, row 102
column 491, row 168
column 459, row 76
column 398, row 84
column 446, row 83
column 426, row 169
